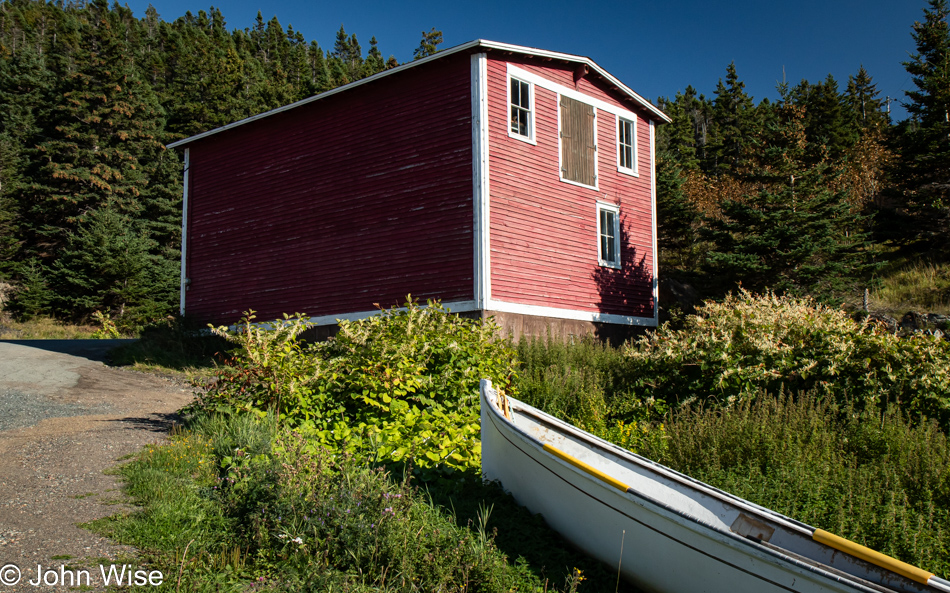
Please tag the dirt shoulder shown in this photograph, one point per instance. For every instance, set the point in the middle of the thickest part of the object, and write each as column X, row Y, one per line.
column 66, row 418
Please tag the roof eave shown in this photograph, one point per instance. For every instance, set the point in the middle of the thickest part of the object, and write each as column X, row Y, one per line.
column 478, row 43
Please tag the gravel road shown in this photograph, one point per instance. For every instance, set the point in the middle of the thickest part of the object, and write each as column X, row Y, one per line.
column 65, row 418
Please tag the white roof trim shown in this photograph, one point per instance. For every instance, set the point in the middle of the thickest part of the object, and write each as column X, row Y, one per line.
column 478, row 43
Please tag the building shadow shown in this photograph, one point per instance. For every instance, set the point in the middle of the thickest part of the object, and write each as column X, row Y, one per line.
column 627, row 290
column 95, row 350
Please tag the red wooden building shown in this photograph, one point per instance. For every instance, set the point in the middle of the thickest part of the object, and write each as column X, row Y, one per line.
column 502, row 180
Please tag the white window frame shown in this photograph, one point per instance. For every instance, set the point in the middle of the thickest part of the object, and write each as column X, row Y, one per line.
column 615, row 209
column 531, row 137
column 635, row 170
column 560, row 153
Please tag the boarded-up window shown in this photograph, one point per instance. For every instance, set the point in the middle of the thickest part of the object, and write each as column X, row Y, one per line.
column 578, row 148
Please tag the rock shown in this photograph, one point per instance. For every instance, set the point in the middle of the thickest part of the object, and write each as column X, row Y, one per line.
column 913, row 321
column 886, row 320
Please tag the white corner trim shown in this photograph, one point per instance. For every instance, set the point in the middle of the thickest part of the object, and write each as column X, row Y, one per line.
column 558, row 313
column 480, row 179
column 184, row 234
column 453, row 307
column 656, row 257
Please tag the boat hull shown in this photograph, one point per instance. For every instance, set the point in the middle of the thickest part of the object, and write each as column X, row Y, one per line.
column 660, row 545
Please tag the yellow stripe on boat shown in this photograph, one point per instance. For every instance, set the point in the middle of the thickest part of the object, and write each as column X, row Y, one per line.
column 586, row 468
column 867, row 554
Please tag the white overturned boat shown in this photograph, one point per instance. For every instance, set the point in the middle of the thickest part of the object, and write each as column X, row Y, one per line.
column 675, row 534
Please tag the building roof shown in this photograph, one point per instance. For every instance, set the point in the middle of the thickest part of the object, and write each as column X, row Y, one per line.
column 465, row 47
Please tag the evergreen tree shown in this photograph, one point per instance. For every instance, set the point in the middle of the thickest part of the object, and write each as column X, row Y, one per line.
column 925, row 144
column 320, row 78
column 107, row 265
column 374, row 62
column 100, row 142
column 33, row 297
column 24, row 87
column 347, row 58
column 677, row 217
column 796, row 234
column 429, row 44
column 732, row 114
column 828, row 127
column 677, row 140
column 864, row 102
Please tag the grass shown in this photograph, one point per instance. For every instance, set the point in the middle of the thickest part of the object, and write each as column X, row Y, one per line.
column 236, row 503
column 43, row 328
column 872, row 477
column 878, row 477
column 921, row 285
column 173, row 347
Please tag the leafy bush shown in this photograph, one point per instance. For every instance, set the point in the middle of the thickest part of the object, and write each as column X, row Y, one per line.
column 409, row 379
column 746, row 344
column 400, row 387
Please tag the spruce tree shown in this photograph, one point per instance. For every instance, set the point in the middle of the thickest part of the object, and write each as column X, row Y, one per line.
column 796, row 234
column 25, row 84
column 429, row 44
column 100, row 146
column 925, row 144
column 374, row 62
column 107, row 265
column 864, row 102
column 732, row 115
column 320, row 78
column 677, row 217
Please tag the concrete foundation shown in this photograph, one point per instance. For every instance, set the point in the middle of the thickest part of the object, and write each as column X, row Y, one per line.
column 517, row 325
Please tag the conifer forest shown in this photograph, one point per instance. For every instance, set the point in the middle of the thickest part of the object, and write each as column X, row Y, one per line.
column 809, row 194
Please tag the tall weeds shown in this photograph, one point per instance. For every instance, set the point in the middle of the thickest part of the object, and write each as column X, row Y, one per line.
column 871, row 476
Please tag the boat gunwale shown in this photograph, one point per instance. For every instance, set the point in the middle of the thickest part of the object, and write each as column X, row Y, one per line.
column 810, row 565
column 658, row 468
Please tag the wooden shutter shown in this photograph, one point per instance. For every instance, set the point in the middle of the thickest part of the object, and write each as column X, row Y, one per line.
column 578, row 147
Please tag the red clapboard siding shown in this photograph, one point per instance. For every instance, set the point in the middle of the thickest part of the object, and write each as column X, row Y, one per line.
column 543, row 230
column 329, row 208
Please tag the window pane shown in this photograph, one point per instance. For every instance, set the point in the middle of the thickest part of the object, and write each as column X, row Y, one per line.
column 608, row 237
column 525, row 95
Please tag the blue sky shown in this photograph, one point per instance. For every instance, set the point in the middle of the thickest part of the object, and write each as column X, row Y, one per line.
column 655, row 48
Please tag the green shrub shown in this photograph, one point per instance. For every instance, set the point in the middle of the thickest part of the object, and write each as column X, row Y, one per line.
column 409, row 380
column 746, row 344
column 400, row 387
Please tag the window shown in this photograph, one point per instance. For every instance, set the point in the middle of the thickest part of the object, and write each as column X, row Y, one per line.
column 608, row 234
column 522, row 113
column 578, row 147
column 626, row 146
